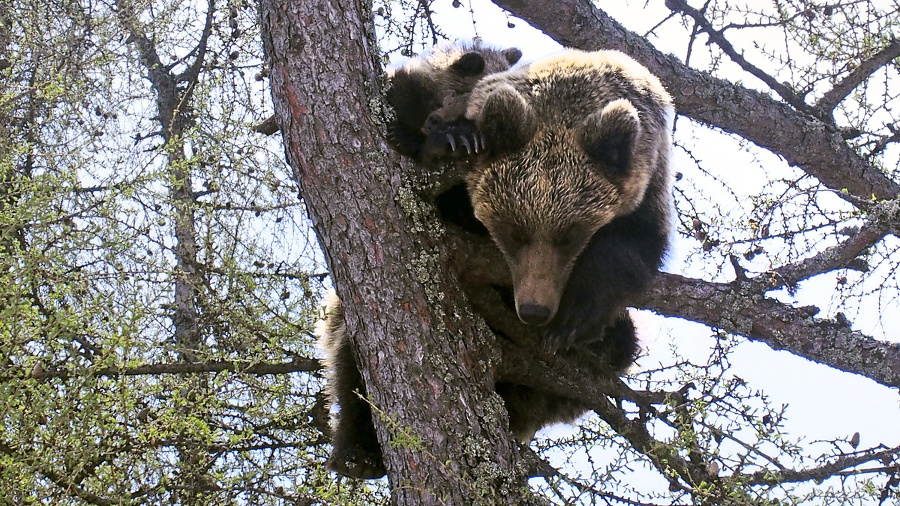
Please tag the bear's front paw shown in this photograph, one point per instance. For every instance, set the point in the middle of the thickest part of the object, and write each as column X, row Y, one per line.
column 566, row 332
column 458, row 139
column 356, row 463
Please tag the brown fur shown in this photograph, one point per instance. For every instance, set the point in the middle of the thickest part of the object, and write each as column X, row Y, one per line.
column 576, row 141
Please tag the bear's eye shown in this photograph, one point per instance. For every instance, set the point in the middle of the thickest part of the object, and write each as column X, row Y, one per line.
column 566, row 239
column 518, row 237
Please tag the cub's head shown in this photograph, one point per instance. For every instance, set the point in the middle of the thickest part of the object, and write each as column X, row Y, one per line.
column 434, row 88
column 423, row 85
column 549, row 186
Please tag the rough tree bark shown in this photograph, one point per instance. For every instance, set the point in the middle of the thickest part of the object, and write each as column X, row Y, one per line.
column 426, row 365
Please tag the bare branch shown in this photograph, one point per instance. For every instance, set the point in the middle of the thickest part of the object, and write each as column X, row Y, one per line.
column 523, row 365
column 566, row 376
column 779, row 325
column 719, row 39
column 193, row 72
column 837, row 466
column 839, row 256
column 835, row 95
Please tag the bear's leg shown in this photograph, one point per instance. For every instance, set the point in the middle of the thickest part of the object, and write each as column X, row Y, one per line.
column 617, row 265
column 356, row 452
column 618, row 346
column 531, row 409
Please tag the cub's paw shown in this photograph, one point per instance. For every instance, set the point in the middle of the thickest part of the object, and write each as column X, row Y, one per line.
column 457, row 139
column 356, row 463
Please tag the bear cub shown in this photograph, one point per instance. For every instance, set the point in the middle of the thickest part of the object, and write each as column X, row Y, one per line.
column 429, row 95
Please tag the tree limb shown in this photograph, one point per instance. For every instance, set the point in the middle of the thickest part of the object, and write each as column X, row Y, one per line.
column 838, row 465
column 192, row 73
column 719, row 39
column 839, row 256
column 839, row 92
column 781, row 326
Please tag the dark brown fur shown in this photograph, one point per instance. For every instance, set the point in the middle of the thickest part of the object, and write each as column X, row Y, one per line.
column 431, row 92
column 356, row 453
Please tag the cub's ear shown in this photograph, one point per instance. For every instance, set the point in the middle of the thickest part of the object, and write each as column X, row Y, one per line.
column 507, row 121
column 469, row 64
column 512, row 55
column 608, row 135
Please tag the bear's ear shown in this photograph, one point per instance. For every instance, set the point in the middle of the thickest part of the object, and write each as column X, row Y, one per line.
column 512, row 55
column 507, row 121
column 608, row 136
column 469, row 64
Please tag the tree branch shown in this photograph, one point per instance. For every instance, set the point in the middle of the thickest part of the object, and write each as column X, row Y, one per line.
column 719, row 39
column 841, row 463
column 781, row 326
column 835, row 95
column 568, row 376
column 298, row 364
column 803, row 140
column 193, row 71
column 839, row 256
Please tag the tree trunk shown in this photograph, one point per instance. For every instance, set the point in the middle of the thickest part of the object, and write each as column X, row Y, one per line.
column 425, row 360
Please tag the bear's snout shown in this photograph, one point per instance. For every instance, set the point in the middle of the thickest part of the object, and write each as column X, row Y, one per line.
column 539, row 277
column 534, row 314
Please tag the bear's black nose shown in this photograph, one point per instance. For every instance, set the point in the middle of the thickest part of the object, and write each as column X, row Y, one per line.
column 534, row 314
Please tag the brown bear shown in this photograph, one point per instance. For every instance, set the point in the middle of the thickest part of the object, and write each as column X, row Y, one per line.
column 575, row 178
column 572, row 183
